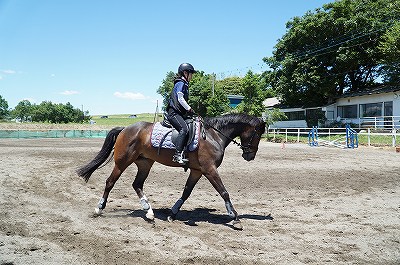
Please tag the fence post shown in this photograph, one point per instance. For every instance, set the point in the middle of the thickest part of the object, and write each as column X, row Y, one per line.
column 298, row 135
column 369, row 137
column 394, row 137
column 329, row 134
column 286, row 135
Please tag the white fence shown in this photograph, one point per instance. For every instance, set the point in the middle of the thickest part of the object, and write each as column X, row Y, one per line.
column 380, row 122
column 333, row 133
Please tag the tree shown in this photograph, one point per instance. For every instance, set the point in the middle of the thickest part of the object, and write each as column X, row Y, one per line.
column 166, row 88
column 4, row 111
column 23, row 110
column 48, row 112
column 332, row 51
column 254, row 95
column 230, row 85
column 201, row 99
column 390, row 48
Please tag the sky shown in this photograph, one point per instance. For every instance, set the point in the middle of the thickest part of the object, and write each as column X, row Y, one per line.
column 110, row 57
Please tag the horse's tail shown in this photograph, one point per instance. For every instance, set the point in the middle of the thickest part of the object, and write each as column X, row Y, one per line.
column 86, row 171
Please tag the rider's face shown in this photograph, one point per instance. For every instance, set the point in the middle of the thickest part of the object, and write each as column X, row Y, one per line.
column 188, row 76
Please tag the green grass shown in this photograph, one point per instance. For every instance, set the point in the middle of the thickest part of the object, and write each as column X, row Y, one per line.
column 123, row 119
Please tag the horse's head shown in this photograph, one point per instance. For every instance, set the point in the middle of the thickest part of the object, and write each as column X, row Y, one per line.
column 250, row 138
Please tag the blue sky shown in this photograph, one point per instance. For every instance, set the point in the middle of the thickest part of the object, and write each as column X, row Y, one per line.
column 111, row 56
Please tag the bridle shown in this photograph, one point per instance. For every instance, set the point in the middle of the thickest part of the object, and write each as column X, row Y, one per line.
column 246, row 148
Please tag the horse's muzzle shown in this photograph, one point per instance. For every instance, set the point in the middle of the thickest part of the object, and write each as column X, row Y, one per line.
column 248, row 156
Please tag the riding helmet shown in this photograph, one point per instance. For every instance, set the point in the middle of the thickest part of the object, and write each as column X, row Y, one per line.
column 186, row 67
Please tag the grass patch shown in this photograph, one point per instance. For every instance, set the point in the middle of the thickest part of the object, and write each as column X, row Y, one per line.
column 124, row 119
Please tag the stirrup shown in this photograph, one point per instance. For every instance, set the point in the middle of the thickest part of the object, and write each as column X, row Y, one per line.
column 179, row 159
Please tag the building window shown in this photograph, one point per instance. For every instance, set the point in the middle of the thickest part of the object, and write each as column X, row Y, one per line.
column 348, row 111
column 388, row 108
column 330, row 115
column 295, row 115
column 371, row 110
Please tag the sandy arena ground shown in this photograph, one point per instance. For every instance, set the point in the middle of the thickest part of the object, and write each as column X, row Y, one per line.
column 298, row 205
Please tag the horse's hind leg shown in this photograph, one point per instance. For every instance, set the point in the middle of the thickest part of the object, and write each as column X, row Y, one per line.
column 216, row 181
column 144, row 165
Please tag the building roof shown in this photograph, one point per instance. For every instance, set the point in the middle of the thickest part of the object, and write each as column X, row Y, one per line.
column 235, row 97
column 271, row 102
column 372, row 91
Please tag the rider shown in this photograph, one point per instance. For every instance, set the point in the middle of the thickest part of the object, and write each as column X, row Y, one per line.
column 178, row 108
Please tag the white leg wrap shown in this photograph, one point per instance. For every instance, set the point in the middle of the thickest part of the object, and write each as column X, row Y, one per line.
column 229, row 208
column 150, row 214
column 145, row 204
column 98, row 211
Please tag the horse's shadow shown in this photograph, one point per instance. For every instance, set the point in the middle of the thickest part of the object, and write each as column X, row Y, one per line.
column 192, row 217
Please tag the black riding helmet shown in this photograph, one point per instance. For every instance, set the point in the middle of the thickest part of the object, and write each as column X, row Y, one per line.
column 186, row 67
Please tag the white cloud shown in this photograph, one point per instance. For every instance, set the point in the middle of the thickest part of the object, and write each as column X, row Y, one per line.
column 129, row 95
column 69, row 92
column 9, row 72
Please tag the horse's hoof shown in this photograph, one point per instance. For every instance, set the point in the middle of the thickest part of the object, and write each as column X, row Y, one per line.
column 150, row 216
column 98, row 211
column 237, row 225
column 170, row 218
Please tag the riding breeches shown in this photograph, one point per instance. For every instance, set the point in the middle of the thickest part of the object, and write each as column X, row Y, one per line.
column 180, row 125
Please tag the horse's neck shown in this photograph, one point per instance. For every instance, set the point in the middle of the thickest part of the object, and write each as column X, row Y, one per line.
column 229, row 132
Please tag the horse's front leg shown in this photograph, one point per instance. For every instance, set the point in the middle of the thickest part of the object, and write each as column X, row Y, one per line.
column 193, row 178
column 144, row 166
column 110, row 182
column 216, row 181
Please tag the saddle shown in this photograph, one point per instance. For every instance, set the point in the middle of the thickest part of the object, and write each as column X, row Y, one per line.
column 164, row 135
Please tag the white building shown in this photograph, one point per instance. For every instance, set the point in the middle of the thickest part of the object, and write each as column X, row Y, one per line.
column 379, row 107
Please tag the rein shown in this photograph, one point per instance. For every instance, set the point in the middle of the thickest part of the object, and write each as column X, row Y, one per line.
column 246, row 149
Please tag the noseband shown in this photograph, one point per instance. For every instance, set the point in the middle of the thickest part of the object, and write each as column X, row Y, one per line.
column 247, row 148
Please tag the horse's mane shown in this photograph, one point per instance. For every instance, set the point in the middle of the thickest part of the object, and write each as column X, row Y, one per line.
column 221, row 121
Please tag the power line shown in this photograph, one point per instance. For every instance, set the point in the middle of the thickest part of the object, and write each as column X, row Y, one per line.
column 311, row 53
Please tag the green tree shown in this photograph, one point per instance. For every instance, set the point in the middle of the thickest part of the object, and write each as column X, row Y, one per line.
column 57, row 113
column 23, row 110
column 166, row 88
column 390, row 49
column 254, row 95
column 43, row 112
column 202, row 99
column 331, row 51
column 4, row 111
column 230, row 85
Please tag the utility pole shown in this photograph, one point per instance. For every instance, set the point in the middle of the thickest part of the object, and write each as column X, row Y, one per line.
column 213, row 81
column 156, row 114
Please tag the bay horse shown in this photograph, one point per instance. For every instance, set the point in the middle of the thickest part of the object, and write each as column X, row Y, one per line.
column 132, row 145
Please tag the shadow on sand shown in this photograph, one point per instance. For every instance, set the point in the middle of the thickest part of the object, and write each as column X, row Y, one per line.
column 192, row 217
